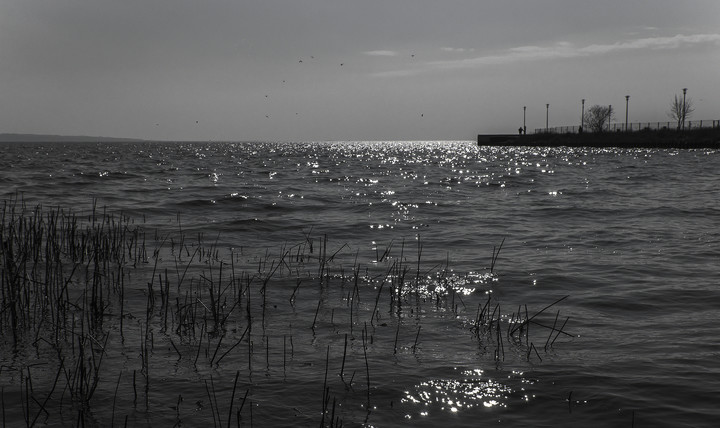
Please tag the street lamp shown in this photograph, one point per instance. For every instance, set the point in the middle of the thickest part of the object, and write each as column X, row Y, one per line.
column 524, row 127
column 683, row 109
column 582, row 116
column 547, row 116
column 627, row 100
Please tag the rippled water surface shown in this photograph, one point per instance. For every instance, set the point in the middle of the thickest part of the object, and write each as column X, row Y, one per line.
column 383, row 284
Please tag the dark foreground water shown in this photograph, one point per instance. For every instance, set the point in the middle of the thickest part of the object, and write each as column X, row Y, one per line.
column 350, row 284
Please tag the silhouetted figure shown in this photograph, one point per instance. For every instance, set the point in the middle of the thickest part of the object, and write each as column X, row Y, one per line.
column 520, row 130
column 580, row 130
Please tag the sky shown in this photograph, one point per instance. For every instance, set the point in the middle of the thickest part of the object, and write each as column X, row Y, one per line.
column 312, row 70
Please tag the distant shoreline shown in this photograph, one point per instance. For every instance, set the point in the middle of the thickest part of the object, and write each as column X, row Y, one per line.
column 665, row 139
column 48, row 138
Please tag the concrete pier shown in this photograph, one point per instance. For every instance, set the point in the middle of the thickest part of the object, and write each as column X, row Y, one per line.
column 705, row 138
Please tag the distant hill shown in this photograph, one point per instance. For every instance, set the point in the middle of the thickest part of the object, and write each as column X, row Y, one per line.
column 42, row 138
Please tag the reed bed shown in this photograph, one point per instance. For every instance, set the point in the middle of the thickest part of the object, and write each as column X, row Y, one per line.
column 100, row 317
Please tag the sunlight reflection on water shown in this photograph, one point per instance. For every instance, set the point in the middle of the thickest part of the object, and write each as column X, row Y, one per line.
column 472, row 389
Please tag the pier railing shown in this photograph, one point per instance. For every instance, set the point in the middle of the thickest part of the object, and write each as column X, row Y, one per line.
column 634, row 126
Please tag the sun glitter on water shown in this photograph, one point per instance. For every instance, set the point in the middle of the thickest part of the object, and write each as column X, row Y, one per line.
column 471, row 390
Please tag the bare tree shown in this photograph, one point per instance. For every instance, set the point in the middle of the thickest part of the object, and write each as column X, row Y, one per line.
column 598, row 117
column 681, row 110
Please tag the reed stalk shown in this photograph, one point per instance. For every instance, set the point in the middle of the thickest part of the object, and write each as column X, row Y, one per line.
column 367, row 366
column 232, row 397
column 414, row 347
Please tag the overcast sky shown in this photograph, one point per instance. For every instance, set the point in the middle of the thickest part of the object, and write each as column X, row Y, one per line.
column 303, row 70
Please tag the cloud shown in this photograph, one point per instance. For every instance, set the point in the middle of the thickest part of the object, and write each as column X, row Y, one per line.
column 381, row 53
column 569, row 50
column 456, row 50
column 655, row 43
column 560, row 50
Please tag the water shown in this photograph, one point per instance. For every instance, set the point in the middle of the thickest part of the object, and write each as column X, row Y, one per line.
column 631, row 237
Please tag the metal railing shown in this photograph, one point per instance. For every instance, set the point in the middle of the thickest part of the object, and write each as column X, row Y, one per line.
column 634, row 127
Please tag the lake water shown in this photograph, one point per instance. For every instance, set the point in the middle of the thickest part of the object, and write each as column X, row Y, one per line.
column 368, row 284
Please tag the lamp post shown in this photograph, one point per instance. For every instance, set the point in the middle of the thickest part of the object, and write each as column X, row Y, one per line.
column 547, row 116
column 683, row 109
column 609, row 116
column 524, row 127
column 582, row 116
column 627, row 100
